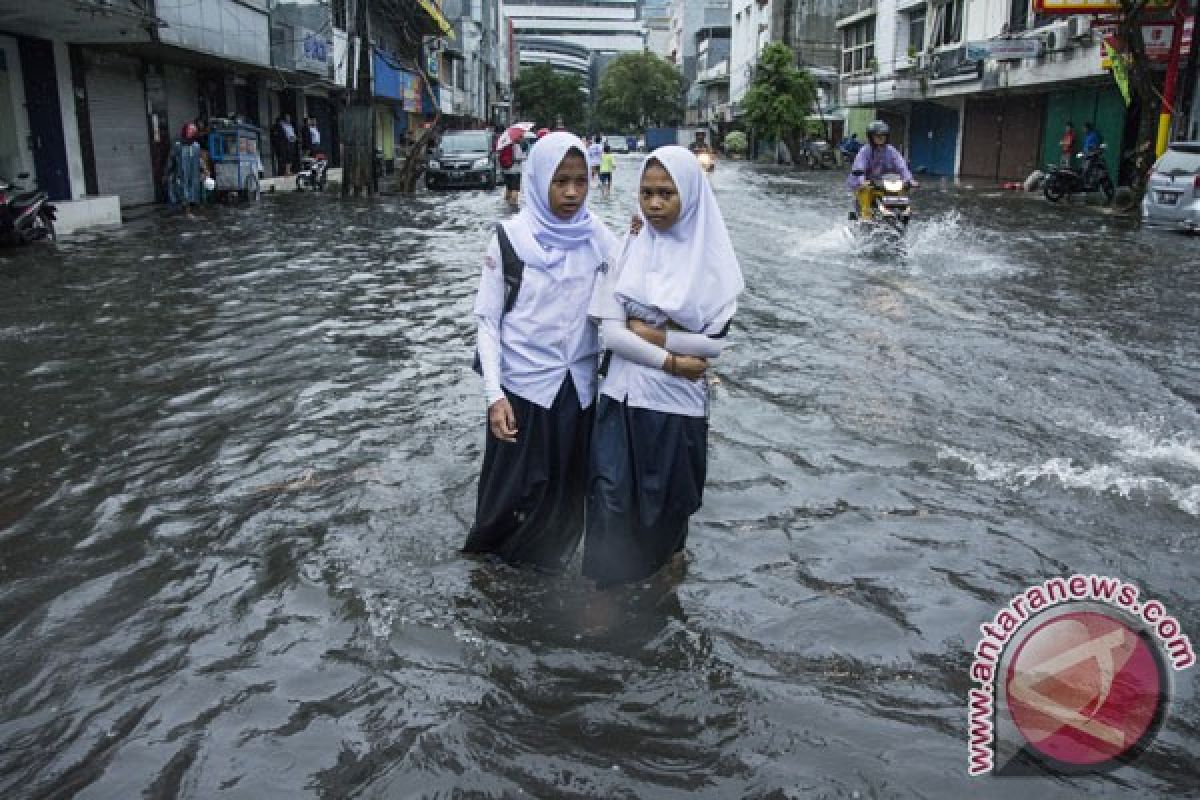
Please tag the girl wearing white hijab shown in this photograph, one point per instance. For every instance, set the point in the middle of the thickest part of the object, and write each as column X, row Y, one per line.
column 538, row 361
column 663, row 312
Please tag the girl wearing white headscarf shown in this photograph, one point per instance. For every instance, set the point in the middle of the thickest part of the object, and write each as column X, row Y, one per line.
column 538, row 361
column 677, row 288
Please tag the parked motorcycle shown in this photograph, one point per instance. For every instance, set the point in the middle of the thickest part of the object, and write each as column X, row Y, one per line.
column 26, row 215
column 891, row 209
column 312, row 172
column 1091, row 176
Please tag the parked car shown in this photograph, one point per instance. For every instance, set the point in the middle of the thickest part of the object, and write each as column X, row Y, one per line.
column 463, row 158
column 1173, row 192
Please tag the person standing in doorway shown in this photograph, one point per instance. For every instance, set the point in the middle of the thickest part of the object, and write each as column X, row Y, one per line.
column 288, row 138
column 1066, row 145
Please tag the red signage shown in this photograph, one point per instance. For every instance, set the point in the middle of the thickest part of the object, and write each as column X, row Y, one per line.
column 1090, row 6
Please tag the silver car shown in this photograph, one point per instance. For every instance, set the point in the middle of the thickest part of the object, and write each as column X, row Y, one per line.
column 1173, row 192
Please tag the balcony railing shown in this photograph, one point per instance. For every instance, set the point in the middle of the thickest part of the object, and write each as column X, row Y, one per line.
column 848, row 8
column 716, row 73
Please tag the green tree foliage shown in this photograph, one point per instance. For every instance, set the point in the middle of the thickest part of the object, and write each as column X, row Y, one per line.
column 548, row 97
column 736, row 143
column 640, row 90
column 781, row 95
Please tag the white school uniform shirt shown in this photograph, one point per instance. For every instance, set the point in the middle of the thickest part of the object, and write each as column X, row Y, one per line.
column 547, row 333
column 640, row 386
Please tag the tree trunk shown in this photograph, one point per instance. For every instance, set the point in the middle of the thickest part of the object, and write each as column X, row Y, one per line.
column 415, row 161
column 1142, row 91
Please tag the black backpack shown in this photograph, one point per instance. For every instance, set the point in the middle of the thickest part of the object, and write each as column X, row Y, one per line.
column 514, row 270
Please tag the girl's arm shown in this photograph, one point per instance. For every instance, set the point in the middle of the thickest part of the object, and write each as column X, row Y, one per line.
column 682, row 343
column 489, row 309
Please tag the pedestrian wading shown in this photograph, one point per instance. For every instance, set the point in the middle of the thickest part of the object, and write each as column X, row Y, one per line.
column 538, row 362
column 663, row 311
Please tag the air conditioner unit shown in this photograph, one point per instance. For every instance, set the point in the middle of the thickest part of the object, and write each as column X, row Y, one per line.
column 1056, row 37
column 1079, row 27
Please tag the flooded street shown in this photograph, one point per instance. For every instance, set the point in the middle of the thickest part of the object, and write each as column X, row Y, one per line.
column 238, row 456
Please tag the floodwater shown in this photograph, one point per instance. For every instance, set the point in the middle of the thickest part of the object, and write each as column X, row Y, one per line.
column 238, row 455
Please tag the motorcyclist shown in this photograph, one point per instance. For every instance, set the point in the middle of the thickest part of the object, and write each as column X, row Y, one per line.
column 873, row 161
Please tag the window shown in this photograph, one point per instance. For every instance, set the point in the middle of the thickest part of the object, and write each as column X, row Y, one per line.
column 858, row 47
column 916, row 32
column 947, row 23
column 1018, row 16
column 339, row 14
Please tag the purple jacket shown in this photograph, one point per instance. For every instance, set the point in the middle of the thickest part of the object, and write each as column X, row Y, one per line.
column 875, row 163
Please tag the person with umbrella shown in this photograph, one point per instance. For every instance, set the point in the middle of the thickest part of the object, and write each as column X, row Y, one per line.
column 511, row 156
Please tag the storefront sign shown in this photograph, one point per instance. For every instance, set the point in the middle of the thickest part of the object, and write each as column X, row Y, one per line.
column 312, row 51
column 1004, row 49
column 433, row 52
column 1089, row 6
column 1157, row 37
column 396, row 83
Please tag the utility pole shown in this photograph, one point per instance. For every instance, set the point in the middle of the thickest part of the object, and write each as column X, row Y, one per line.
column 359, row 169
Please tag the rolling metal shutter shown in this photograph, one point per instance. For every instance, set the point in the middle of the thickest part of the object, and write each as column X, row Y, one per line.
column 1002, row 137
column 116, row 98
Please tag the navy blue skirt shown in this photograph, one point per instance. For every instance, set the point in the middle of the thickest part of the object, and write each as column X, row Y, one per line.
column 645, row 479
column 529, row 509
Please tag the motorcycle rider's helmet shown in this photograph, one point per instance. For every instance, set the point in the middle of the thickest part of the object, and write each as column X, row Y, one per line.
column 190, row 131
column 878, row 128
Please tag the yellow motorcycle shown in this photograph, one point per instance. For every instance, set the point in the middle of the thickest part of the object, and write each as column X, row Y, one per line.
column 883, row 203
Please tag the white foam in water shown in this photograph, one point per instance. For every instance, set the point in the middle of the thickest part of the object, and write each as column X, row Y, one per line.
column 1138, row 444
column 1100, row 478
column 944, row 244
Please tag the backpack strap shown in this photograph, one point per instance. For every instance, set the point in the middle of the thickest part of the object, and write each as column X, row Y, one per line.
column 513, row 266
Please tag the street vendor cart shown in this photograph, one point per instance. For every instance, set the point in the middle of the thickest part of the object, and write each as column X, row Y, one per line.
column 234, row 149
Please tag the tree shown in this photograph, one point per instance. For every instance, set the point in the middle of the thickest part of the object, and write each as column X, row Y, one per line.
column 640, row 90
column 781, row 95
column 1143, row 94
column 550, row 98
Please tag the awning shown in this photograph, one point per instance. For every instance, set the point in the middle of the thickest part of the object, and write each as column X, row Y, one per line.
column 439, row 20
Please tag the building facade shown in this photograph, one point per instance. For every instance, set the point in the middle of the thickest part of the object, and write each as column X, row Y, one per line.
column 97, row 95
column 981, row 89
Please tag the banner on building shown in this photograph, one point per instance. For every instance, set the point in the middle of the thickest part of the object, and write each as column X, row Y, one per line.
column 1120, row 71
column 1004, row 49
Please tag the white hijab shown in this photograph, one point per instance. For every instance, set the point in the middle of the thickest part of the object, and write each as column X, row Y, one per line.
column 538, row 235
column 689, row 272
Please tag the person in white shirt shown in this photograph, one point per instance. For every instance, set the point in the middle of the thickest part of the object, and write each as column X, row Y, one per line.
column 538, row 362
column 663, row 312
column 595, row 151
